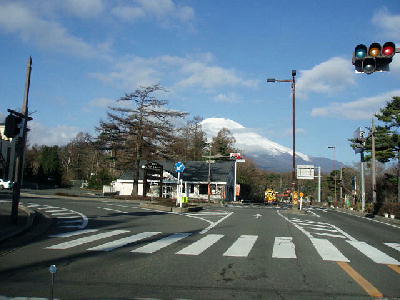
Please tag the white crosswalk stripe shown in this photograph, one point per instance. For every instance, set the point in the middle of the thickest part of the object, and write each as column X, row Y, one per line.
column 160, row 244
column 327, row 250
column 375, row 254
column 201, row 245
column 88, row 239
column 242, row 246
column 283, row 248
column 124, row 241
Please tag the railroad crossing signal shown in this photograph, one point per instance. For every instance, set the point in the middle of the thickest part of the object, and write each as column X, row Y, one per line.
column 375, row 58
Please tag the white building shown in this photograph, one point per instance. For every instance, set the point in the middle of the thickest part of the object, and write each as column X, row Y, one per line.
column 195, row 181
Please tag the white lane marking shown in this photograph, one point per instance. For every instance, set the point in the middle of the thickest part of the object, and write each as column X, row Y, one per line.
column 86, row 240
column 327, row 250
column 393, row 245
column 67, row 217
column 56, row 210
column 329, row 234
column 208, row 214
column 114, row 210
column 63, row 213
column 283, row 248
column 323, row 229
column 162, row 243
column 213, row 224
column 201, row 245
column 33, row 205
column 318, row 216
column 242, row 246
column 314, row 225
column 308, row 221
column 73, row 233
column 124, row 241
column 371, row 252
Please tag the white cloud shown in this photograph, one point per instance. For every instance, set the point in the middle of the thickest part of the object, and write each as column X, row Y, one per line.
column 84, row 9
column 207, row 76
column 18, row 19
column 101, row 102
column 227, row 98
column 40, row 134
column 329, row 77
column 388, row 23
column 360, row 109
column 162, row 10
column 199, row 71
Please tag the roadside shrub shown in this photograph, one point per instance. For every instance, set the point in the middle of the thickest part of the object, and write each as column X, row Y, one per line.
column 390, row 208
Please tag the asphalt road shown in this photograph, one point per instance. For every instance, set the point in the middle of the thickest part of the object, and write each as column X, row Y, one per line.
column 115, row 250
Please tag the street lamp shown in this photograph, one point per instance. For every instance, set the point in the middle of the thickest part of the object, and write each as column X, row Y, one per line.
column 334, row 168
column 293, row 82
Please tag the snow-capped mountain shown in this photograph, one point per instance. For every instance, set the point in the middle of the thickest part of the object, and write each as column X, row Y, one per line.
column 265, row 153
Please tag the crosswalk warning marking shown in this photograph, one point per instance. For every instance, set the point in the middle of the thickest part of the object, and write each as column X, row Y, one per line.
column 242, row 246
column 283, row 248
column 124, row 241
column 73, row 233
column 330, row 235
column 86, row 240
column 393, row 245
column 201, row 245
column 371, row 252
column 327, row 250
column 162, row 243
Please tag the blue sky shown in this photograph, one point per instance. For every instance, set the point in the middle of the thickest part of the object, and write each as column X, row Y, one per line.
column 212, row 55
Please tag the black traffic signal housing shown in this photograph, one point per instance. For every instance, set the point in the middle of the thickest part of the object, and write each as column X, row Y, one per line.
column 12, row 129
column 375, row 58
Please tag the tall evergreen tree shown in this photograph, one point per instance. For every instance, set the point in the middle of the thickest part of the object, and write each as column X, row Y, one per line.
column 145, row 127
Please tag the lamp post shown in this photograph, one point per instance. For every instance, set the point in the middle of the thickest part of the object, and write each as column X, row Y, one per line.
column 293, row 82
column 334, row 169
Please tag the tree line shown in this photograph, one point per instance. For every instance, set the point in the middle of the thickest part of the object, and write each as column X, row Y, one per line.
column 141, row 126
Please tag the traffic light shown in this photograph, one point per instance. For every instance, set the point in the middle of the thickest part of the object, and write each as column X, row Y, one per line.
column 12, row 129
column 375, row 58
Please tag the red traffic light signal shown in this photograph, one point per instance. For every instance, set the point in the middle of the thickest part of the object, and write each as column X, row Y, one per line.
column 375, row 58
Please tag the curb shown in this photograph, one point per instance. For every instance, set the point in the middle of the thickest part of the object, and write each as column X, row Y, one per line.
column 365, row 215
column 29, row 222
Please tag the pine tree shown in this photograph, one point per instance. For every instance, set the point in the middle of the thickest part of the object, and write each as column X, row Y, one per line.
column 144, row 128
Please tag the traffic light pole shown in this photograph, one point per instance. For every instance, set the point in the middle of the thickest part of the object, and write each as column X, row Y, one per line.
column 20, row 148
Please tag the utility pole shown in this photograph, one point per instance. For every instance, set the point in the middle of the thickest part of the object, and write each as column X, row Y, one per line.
column 20, row 147
column 373, row 163
column 341, row 187
column 293, row 86
column 362, row 182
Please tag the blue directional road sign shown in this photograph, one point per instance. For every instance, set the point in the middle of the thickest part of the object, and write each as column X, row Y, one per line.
column 180, row 167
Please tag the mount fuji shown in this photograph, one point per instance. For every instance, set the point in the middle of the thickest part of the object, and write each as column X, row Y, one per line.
column 265, row 153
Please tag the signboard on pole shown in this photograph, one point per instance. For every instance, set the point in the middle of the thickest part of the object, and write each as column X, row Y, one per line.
column 180, row 167
column 305, row 172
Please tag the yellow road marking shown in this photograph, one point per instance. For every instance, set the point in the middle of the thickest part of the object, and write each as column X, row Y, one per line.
column 364, row 283
column 395, row 268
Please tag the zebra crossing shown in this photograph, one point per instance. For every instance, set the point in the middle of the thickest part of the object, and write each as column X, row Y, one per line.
column 66, row 218
column 282, row 247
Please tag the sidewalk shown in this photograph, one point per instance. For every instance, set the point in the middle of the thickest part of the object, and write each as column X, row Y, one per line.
column 7, row 228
